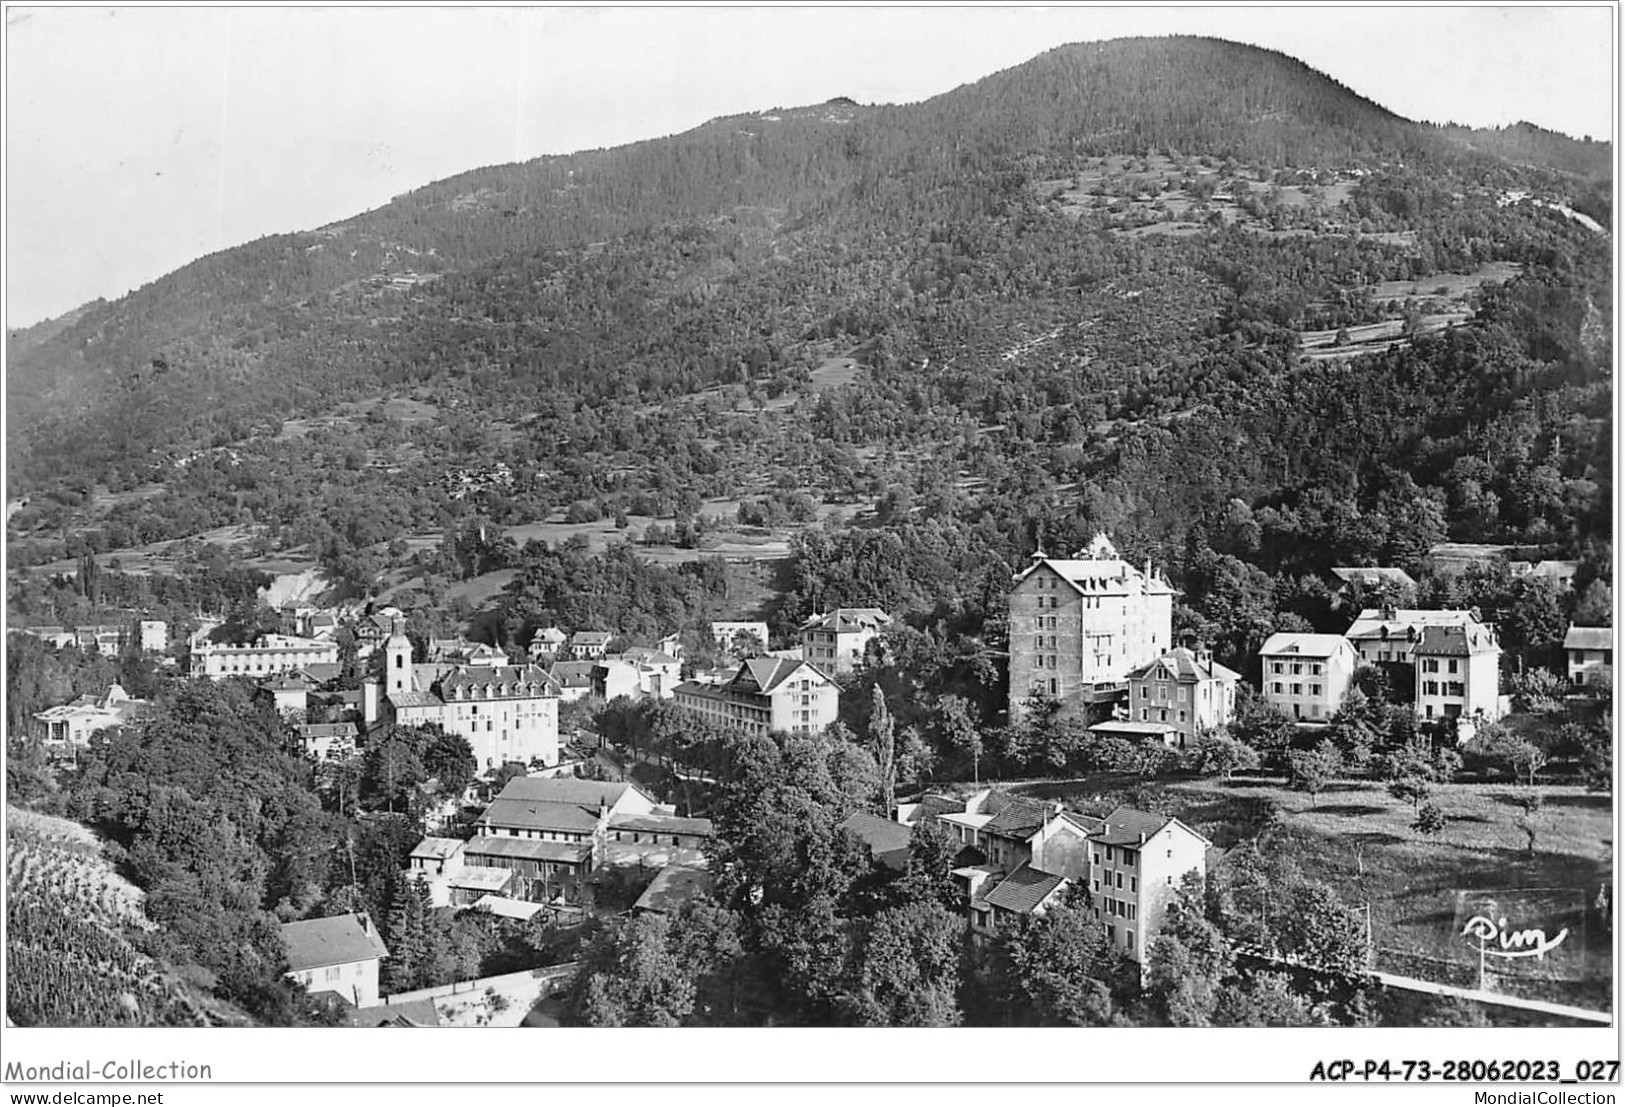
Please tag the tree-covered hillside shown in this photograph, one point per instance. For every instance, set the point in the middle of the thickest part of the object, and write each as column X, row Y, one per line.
column 1184, row 290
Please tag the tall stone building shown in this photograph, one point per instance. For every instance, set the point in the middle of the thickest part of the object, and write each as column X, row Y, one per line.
column 1079, row 626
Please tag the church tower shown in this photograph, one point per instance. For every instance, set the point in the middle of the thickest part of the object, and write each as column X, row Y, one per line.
column 397, row 661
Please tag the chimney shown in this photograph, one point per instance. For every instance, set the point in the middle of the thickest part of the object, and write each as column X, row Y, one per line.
column 1142, row 837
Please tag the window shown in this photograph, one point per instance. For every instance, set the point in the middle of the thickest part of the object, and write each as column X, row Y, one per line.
column 1314, row 670
column 1452, row 665
column 1314, row 689
column 1297, row 689
column 1128, row 938
column 1109, row 857
column 1054, row 687
column 1119, row 880
column 1133, row 884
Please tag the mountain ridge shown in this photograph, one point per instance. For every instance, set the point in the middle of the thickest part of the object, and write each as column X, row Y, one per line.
column 187, row 345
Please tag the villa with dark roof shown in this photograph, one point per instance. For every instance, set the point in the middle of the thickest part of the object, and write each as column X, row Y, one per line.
column 1137, row 861
column 766, row 695
column 338, row 954
column 1458, row 674
column 835, row 640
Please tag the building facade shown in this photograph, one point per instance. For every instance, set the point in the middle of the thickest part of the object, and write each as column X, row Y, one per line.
column 836, row 641
column 1307, row 675
column 1590, row 652
column 1458, row 673
column 338, row 954
column 270, row 654
column 1079, row 626
column 1137, row 862
column 508, row 713
column 1185, row 689
column 766, row 695
column 71, row 724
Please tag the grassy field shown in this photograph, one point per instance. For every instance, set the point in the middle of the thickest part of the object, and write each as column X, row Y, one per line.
column 1420, row 889
column 1450, row 286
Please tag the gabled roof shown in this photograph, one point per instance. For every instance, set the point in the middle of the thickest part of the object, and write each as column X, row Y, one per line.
column 436, row 849
column 572, row 674
column 590, row 637
column 848, row 620
column 642, row 655
column 554, row 803
column 1373, row 574
column 415, row 699
column 888, row 841
column 1134, row 728
column 1304, row 645
column 548, row 634
column 586, row 793
column 1091, row 576
column 1403, row 622
column 1589, row 638
column 509, row 908
column 662, row 824
column 764, row 674
column 528, row 849
column 1019, row 819
column 1024, row 890
column 1457, row 641
column 339, row 940
column 416, row 1012
column 1127, row 827
column 672, row 888
column 509, row 680
column 327, row 730
column 1185, row 666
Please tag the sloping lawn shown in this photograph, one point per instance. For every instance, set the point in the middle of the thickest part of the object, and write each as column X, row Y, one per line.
column 1422, row 889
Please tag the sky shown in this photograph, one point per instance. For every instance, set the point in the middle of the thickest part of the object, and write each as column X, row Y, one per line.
column 140, row 138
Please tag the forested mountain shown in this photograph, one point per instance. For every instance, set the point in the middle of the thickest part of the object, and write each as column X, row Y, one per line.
column 1186, row 290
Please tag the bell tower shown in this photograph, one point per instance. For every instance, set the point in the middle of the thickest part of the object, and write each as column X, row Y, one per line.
column 398, row 660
